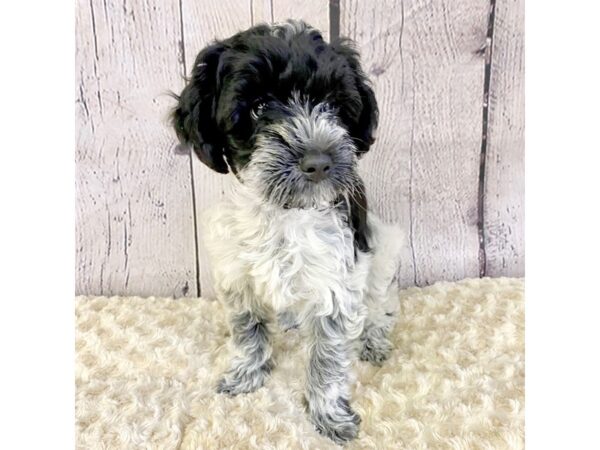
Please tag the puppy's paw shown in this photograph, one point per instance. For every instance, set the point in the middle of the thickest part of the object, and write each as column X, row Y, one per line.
column 236, row 382
column 338, row 422
column 376, row 351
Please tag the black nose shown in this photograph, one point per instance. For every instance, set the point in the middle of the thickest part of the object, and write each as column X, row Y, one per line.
column 316, row 166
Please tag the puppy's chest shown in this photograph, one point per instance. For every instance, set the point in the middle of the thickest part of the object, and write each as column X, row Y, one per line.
column 303, row 255
column 302, row 240
column 282, row 248
column 287, row 257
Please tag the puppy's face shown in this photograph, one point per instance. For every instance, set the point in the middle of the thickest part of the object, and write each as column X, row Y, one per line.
column 284, row 110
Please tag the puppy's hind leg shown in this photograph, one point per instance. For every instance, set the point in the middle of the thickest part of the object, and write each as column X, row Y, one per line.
column 381, row 296
column 251, row 338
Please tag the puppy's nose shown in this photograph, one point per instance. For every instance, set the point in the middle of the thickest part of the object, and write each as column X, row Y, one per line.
column 316, row 166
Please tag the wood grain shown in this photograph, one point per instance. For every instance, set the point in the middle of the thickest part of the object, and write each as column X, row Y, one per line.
column 138, row 202
column 505, row 172
column 313, row 12
column 425, row 62
column 134, row 227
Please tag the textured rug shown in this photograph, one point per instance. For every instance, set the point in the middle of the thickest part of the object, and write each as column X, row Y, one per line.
column 146, row 371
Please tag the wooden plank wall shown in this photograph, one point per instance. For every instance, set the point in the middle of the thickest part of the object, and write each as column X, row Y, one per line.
column 505, row 170
column 447, row 164
column 134, row 221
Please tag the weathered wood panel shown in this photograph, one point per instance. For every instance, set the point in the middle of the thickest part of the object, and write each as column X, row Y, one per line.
column 505, row 172
column 138, row 203
column 314, row 12
column 425, row 62
column 134, row 226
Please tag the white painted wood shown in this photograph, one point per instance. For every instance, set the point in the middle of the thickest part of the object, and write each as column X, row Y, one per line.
column 313, row 12
column 135, row 214
column 134, row 227
column 262, row 11
column 505, row 172
column 423, row 59
column 203, row 22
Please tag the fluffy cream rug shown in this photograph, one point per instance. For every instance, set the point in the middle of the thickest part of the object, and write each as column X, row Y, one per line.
column 146, row 370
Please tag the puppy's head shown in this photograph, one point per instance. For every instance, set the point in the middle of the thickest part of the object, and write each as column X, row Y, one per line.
column 287, row 112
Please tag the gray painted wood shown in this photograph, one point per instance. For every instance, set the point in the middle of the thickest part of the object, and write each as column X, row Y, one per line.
column 314, row 12
column 423, row 59
column 505, row 172
column 134, row 232
column 138, row 203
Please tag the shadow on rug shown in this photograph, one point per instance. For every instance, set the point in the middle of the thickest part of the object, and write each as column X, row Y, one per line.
column 146, row 371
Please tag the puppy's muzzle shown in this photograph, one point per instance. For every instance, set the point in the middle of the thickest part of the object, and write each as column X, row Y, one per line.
column 316, row 166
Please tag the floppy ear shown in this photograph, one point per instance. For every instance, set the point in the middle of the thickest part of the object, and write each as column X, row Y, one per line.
column 363, row 130
column 194, row 116
column 367, row 123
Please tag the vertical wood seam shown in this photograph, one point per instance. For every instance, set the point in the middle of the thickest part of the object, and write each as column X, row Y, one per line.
column 484, row 141
column 412, row 141
column 94, row 29
column 411, row 203
column 191, row 165
column 334, row 20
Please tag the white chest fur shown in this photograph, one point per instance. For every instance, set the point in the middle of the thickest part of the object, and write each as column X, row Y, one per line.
column 286, row 257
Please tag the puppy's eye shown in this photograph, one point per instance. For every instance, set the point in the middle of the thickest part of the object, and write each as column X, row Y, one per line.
column 258, row 109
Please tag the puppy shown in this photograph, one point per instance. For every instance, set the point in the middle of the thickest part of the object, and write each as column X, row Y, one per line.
column 290, row 115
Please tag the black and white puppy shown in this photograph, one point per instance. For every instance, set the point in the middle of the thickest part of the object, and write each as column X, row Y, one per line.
column 290, row 114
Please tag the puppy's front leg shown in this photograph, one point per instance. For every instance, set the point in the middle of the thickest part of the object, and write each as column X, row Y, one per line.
column 251, row 338
column 328, row 378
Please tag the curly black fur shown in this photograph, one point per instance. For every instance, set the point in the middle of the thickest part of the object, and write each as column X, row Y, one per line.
column 256, row 66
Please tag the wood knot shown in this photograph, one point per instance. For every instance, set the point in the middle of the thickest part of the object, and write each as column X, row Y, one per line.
column 377, row 70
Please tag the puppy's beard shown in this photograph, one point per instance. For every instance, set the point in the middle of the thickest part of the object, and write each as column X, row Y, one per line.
column 274, row 169
column 287, row 186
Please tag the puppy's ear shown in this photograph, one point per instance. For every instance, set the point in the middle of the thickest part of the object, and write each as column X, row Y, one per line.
column 363, row 129
column 369, row 117
column 194, row 116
